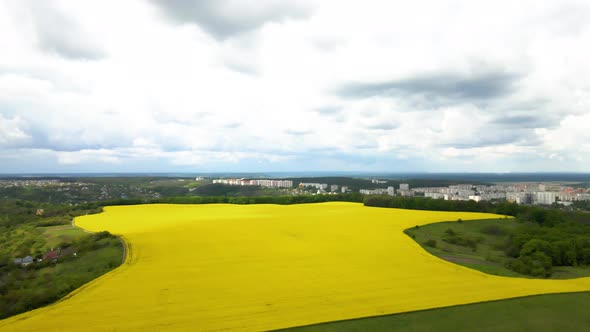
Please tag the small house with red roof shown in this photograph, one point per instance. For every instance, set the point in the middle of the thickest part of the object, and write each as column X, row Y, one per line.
column 52, row 255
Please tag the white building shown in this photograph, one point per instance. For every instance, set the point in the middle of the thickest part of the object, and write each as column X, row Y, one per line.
column 344, row 189
column 272, row 183
column 310, row 184
column 476, row 198
column 256, row 182
column 404, row 186
column 391, row 191
column 373, row 191
column 334, row 188
column 408, row 193
column 515, row 197
column 545, row 197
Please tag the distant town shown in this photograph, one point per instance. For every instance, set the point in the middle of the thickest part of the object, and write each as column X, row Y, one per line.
column 520, row 193
column 87, row 189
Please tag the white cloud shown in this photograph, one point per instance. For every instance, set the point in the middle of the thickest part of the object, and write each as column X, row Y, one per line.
column 10, row 132
column 332, row 85
column 87, row 156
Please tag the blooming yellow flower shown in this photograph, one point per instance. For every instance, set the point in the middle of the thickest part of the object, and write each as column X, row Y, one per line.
column 259, row 267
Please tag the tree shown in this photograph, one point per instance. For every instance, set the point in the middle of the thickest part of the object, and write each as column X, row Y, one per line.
column 536, row 245
column 535, row 259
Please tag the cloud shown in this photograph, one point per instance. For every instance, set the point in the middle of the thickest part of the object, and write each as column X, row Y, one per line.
column 228, row 18
column 295, row 132
column 60, row 34
column 87, row 156
column 329, row 110
column 439, row 88
column 539, row 120
column 11, row 133
column 283, row 85
column 384, row 126
column 245, row 69
column 232, row 125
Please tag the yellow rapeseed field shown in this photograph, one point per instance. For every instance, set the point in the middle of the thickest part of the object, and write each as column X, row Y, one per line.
column 260, row 267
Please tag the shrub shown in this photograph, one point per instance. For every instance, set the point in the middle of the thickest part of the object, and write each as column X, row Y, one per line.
column 430, row 243
column 536, row 264
column 494, row 230
column 464, row 241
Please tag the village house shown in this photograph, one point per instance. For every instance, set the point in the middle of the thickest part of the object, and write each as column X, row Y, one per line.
column 24, row 261
column 52, row 255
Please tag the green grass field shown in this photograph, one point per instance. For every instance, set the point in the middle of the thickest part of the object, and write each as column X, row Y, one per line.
column 488, row 256
column 55, row 235
column 556, row 312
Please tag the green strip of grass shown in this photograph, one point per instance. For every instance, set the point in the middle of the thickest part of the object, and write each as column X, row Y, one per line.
column 555, row 312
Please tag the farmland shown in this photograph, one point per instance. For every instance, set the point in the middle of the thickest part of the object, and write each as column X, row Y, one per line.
column 259, row 267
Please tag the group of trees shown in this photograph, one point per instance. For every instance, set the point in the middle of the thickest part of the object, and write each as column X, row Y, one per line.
column 283, row 200
column 537, row 248
column 425, row 203
column 582, row 205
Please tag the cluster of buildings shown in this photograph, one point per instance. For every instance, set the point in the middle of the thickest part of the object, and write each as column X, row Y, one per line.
column 522, row 193
column 404, row 190
column 8, row 183
column 379, row 191
column 256, row 182
column 51, row 255
column 322, row 188
column 319, row 186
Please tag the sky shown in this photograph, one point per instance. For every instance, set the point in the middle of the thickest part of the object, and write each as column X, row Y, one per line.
column 271, row 85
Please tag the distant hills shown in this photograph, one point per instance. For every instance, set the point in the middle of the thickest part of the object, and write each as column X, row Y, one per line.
column 463, row 177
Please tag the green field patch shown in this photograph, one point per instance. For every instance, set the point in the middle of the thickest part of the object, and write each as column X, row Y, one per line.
column 542, row 313
column 57, row 235
column 480, row 245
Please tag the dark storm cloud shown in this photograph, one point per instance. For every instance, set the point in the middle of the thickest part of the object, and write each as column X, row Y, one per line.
column 59, row 34
column 495, row 137
column 41, row 138
column 223, row 19
column 527, row 121
column 437, row 87
column 37, row 136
